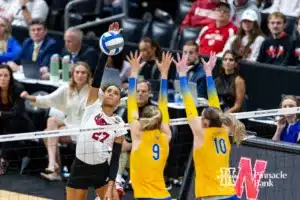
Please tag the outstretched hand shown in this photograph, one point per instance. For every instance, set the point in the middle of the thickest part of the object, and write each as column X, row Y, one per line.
column 181, row 64
column 134, row 60
column 165, row 64
column 115, row 27
column 209, row 66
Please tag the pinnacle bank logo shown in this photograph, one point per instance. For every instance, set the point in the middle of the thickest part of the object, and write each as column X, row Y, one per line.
column 247, row 179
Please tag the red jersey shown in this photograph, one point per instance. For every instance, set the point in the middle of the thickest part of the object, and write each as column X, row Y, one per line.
column 213, row 38
column 201, row 14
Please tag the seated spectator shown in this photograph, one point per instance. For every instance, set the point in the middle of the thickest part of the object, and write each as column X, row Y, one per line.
column 277, row 48
column 37, row 48
column 13, row 118
column 202, row 13
column 23, row 11
column 230, row 85
column 114, row 6
column 196, row 73
column 151, row 51
column 70, row 99
column 240, row 6
column 288, row 126
column 10, row 48
column 249, row 38
column 144, row 94
column 77, row 50
column 290, row 8
column 296, row 42
column 213, row 37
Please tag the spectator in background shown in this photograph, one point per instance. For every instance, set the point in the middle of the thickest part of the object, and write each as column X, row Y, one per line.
column 246, row 43
column 286, row 7
column 196, row 73
column 296, row 50
column 213, row 37
column 37, row 48
column 77, row 50
column 202, row 13
column 240, row 6
column 69, row 99
column 230, row 85
column 288, row 126
column 10, row 48
column 276, row 49
column 151, row 51
column 13, row 118
column 23, row 11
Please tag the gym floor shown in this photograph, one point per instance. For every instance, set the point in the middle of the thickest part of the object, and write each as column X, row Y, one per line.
column 25, row 187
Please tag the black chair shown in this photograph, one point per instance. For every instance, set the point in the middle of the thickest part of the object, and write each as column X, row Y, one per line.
column 164, row 34
column 133, row 29
column 290, row 25
column 188, row 33
column 20, row 33
column 38, row 115
column 264, row 24
column 184, row 8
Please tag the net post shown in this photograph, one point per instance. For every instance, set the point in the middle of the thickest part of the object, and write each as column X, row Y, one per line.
column 187, row 179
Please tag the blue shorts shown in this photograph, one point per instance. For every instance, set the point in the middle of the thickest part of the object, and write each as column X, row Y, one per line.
column 169, row 198
column 231, row 198
column 216, row 198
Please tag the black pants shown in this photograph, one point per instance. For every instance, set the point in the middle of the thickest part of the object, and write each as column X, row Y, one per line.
column 13, row 126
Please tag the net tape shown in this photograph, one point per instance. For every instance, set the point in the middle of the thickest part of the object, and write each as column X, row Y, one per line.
column 174, row 122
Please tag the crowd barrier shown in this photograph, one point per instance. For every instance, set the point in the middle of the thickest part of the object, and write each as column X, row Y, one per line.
column 273, row 165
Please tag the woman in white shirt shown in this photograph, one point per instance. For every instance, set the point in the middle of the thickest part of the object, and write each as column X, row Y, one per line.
column 70, row 99
column 246, row 43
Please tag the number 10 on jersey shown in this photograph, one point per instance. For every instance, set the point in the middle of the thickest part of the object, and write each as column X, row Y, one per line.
column 220, row 145
column 156, row 151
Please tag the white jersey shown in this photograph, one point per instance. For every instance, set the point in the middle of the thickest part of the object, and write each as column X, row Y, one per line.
column 94, row 147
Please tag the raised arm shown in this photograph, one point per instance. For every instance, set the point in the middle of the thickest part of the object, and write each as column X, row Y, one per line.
column 213, row 99
column 132, row 107
column 164, row 67
column 98, row 73
column 190, row 107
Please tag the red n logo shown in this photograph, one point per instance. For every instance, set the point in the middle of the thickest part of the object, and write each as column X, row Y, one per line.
column 251, row 180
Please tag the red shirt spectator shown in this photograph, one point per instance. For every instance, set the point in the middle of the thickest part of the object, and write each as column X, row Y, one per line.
column 201, row 13
column 213, row 37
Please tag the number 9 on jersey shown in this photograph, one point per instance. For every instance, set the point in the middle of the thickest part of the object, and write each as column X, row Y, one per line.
column 156, row 151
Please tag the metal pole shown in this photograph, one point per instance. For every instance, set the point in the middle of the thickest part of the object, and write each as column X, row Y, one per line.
column 68, row 7
column 187, row 179
column 100, row 21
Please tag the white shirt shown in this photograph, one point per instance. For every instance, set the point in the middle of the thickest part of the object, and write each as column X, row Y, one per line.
column 94, row 147
column 72, row 105
column 287, row 7
column 37, row 9
column 254, row 47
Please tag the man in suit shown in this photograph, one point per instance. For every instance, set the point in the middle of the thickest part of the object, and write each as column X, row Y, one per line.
column 37, row 48
column 77, row 50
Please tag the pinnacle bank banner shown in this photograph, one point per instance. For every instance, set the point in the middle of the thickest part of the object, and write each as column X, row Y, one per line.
column 262, row 174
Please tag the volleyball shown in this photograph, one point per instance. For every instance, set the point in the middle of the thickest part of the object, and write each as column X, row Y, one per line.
column 111, row 43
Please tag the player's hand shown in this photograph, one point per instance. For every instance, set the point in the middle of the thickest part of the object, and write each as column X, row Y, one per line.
column 134, row 60
column 181, row 65
column 281, row 123
column 115, row 27
column 165, row 64
column 24, row 95
column 210, row 65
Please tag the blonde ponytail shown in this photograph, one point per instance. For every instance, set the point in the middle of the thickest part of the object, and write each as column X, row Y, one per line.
column 237, row 128
column 151, row 118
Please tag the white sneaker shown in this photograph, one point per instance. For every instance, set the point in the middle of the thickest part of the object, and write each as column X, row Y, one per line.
column 97, row 198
